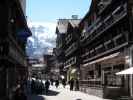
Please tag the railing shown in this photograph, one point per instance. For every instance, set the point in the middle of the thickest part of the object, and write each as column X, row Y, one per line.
column 103, row 4
column 68, row 38
column 100, row 26
column 85, row 54
column 90, row 30
column 71, row 49
column 119, row 12
column 16, row 51
column 91, row 83
column 70, row 61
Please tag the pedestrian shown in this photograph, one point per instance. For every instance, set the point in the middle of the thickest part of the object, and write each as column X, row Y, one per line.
column 57, row 83
column 77, row 85
column 64, row 82
column 47, row 84
column 33, row 86
column 51, row 81
column 71, row 82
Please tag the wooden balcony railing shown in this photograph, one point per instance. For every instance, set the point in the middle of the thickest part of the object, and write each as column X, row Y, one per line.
column 68, row 38
column 91, row 83
column 16, row 52
column 103, row 4
column 71, row 61
column 100, row 26
column 71, row 49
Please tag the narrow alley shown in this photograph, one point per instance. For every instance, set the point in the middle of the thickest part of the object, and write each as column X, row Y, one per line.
column 66, row 50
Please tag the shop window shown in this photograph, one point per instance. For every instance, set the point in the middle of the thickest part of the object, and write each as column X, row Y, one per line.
column 112, row 79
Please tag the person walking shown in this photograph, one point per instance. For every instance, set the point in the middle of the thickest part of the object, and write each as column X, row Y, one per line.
column 71, row 82
column 64, row 82
column 57, row 83
column 33, row 86
column 77, row 85
column 47, row 84
column 51, row 81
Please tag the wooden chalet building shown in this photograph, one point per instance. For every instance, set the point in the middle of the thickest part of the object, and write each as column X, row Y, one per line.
column 60, row 44
column 69, row 44
column 106, row 35
column 13, row 36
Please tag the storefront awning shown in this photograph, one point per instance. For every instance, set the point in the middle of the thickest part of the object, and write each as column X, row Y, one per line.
column 102, row 59
column 126, row 71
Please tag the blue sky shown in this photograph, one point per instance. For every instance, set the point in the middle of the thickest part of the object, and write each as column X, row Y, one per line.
column 51, row 10
column 45, row 13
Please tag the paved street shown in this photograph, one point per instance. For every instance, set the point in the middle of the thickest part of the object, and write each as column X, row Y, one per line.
column 64, row 94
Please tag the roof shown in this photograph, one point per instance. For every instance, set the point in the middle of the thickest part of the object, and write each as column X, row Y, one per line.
column 62, row 25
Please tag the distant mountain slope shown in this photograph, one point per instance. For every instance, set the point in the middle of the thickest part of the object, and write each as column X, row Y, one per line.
column 42, row 40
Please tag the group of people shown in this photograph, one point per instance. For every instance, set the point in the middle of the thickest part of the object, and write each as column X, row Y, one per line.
column 73, row 83
column 52, row 81
column 38, row 87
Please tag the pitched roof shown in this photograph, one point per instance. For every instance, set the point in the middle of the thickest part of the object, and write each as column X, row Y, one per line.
column 62, row 25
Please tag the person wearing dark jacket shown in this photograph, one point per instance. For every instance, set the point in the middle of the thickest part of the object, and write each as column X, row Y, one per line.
column 47, row 84
column 57, row 83
column 64, row 82
column 77, row 85
column 33, row 86
column 71, row 82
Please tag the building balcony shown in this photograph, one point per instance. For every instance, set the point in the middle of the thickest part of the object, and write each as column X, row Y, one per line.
column 15, row 52
column 71, row 48
column 100, row 26
column 115, row 43
column 68, row 38
column 85, row 54
column 103, row 4
column 71, row 61
column 90, row 30
column 10, row 50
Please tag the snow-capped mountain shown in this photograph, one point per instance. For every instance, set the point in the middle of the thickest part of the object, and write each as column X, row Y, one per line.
column 42, row 40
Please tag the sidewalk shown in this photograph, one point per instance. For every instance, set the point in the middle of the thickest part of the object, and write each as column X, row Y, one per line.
column 61, row 93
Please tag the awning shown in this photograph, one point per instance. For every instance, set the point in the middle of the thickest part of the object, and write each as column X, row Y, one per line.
column 126, row 71
column 103, row 58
